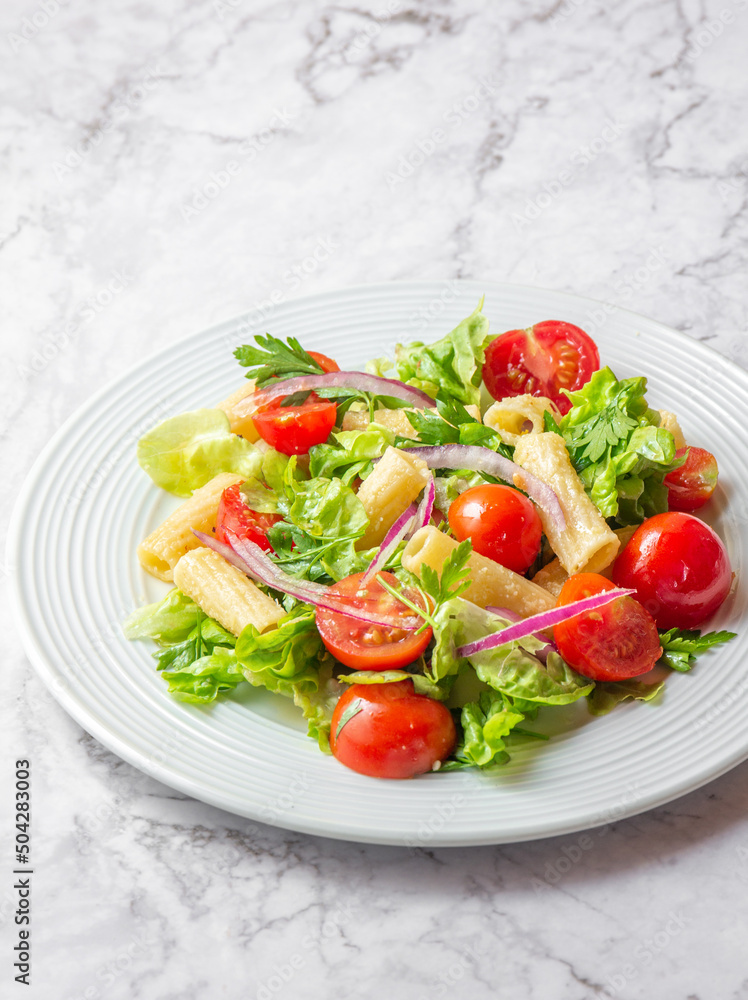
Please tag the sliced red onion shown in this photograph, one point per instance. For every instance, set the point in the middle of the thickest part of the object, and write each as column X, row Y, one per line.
column 480, row 459
column 251, row 560
column 512, row 616
column 359, row 381
column 545, row 620
column 426, row 506
column 402, row 526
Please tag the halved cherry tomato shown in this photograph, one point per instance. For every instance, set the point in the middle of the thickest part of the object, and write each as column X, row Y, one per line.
column 234, row 515
column 501, row 523
column 325, row 363
column 690, row 486
column 540, row 361
column 618, row 641
column 294, row 429
column 679, row 568
column 389, row 731
column 364, row 646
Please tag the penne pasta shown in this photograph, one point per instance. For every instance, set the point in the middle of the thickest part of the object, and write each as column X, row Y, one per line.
column 516, row 416
column 553, row 576
column 394, row 484
column 491, row 583
column 164, row 547
column 669, row 421
column 241, row 425
column 224, row 592
column 586, row 544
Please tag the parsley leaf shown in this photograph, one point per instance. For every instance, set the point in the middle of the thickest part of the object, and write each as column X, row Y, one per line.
column 680, row 647
column 274, row 358
column 455, row 575
column 453, row 424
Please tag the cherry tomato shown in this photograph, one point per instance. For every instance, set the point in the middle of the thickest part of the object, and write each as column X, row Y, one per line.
column 679, row 568
column 618, row 641
column 389, row 731
column 325, row 363
column 540, row 361
column 362, row 645
column 690, row 486
column 294, row 429
column 234, row 515
column 501, row 523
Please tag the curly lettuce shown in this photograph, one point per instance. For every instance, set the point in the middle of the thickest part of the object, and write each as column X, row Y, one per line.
column 453, row 364
column 618, row 448
column 185, row 452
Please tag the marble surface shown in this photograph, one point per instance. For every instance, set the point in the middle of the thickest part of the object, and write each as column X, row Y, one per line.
column 171, row 164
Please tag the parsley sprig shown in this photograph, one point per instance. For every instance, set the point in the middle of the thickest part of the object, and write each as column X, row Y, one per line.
column 271, row 358
column 680, row 647
column 437, row 589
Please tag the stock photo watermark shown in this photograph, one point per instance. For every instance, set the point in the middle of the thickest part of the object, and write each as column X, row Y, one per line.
column 580, row 159
column 710, row 30
column 34, row 23
column 425, row 146
column 218, row 180
column 645, row 952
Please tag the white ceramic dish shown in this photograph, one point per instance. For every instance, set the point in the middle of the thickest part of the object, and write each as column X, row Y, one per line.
column 86, row 504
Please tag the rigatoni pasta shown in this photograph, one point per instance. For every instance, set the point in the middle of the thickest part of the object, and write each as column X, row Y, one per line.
column 224, row 592
column 394, row 484
column 515, row 416
column 586, row 544
column 553, row 576
column 240, row 423
column 491, row 583
column 163, row 548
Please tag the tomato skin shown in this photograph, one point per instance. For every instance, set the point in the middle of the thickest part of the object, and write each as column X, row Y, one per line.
column 396, row 734
column 363, row 646
column 234, row 515
column 325, row 363
column 293, row 430
column 501, row 523
column 540, row 361
column 693, row 484
column 679, row 568
column 616, row 642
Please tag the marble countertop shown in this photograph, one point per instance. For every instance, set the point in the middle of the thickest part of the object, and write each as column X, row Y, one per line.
column 169, row 165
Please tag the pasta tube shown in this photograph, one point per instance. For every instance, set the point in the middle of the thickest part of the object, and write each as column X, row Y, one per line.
column 669, row 421
column 224, row 592
column 162, row 549
column 553, row 576
column 511, row 416
column 492, row 583
column 394, row 484
column 586, row 544
column 241, row 425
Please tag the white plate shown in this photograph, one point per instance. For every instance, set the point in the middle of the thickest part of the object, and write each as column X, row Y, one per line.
column 86, row 504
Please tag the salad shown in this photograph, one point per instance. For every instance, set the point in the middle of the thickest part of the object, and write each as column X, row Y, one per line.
column 426, row 555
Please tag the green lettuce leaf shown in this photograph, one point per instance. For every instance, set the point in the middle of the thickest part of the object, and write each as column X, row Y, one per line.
column 617, row 447
column 202, row 680
column 421, row 683
column 168, row 621
column 185, row 452
column 453, row 364
column 322, row 520
column 286, row 660
column 351, row 454
column 485, row 724
column 607, row 694
column 511, row 669
column 197, row 657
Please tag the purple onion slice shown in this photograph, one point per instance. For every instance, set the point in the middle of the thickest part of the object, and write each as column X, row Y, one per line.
column 480, row 459
column 545, row 620
column 359, row 381
column 251, row 560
